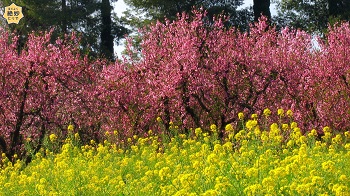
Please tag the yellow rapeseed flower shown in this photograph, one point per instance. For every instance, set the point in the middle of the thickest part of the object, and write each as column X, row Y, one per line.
column 76, row 136
column 53, row 137
column 343, row 178
column 70, row 128
column 326, row 129
column 254, row 116
column 328, row 166
column 285, row 127
column 150, row 132
column 213, row 128
column 198, row 131
column 337, row 139
column 240, row 116
column 229, row 128
column 280, row 112
column 293, row 125
column 267, row 112
column 313, row 133
column 250, row 124
column 210, row 192
column 115, row 132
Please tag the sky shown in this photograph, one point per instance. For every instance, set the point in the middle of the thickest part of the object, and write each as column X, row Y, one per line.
column 120, row 7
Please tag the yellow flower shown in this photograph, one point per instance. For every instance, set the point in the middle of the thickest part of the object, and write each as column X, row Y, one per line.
column 150, row 132
column 164, row 173
column 213, row 128
column 326, row 129
column 253, row 189
column 317, row 180
column 293, row 125
column 268, row 182
column 252, row 172
column 257, row 131
column 328, row 166
column 76, row 136
column 289, row 113
column 285, row 127
column 198, row 131
column 280, row 112
column 254, row 116
column 231, row 136
column 229, row 128
column 159, row 119
column 337, row 139
column 340, row 189
column 267, row 112
column 240, row 116
column 53, row 137
column 212, row 158
column 343, row 178
column 347, row 146
column 210, row 192
column 327, row 136
column 70, row 128
column 250, row 124
column 312, row 133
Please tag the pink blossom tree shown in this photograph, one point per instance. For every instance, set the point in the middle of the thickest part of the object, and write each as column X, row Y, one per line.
column 43, row 89
column 196, row 73
column 190, row 72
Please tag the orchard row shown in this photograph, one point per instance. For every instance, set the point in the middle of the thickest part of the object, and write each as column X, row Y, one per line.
column 190, row 72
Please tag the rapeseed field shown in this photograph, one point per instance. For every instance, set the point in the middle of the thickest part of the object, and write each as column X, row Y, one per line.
column 278, row 159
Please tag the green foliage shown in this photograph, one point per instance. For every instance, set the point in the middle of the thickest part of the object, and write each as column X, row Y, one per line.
column 65, row 16
column 154, row 10
column 312, row 15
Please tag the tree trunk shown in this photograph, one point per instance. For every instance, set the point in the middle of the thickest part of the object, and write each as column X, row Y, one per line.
column 106, row 31
column 64, row 18
column 261, row 7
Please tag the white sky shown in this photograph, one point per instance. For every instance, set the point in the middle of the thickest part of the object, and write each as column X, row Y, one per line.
column 120, row 7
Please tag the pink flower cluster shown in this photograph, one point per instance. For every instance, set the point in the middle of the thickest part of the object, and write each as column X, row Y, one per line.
column 192, row 73
column 196, row 73
column 43, row 89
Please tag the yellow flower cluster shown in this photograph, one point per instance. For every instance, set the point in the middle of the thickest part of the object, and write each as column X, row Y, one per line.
column 277, row 161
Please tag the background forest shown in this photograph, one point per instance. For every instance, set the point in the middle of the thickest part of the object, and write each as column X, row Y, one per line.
column 100, row 28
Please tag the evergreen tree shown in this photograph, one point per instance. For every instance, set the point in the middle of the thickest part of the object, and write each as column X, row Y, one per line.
column 312, row 15
column 91, row 19
column 153, row 10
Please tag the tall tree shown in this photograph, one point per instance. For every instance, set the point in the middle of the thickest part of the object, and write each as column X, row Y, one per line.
column 261, row 7
column 92, row 19
column 312, row 15
column 159, row 9
column 107, row 40
column 339, row 9
column 64, row 18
